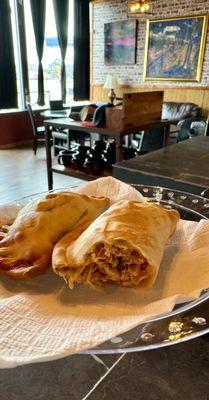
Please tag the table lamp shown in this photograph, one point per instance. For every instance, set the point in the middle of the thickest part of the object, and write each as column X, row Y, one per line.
column 111, row 83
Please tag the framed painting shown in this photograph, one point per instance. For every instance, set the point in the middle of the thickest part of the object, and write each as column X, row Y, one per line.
column 120, row 42
column 175, row 49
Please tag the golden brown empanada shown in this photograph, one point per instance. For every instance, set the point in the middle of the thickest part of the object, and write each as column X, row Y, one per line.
column 26, row 247
column 123, row 246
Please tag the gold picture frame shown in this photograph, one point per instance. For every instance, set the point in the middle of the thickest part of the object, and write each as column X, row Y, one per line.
column 174, row 49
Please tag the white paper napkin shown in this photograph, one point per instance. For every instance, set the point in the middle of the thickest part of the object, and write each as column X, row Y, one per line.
column 112, row 188
column 8, row 213
column 41, row 319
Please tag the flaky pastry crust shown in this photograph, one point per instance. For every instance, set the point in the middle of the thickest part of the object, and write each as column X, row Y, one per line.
column 124, row 246
column 26, row 246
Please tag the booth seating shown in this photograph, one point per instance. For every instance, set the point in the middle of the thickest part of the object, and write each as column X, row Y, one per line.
column 179, row 112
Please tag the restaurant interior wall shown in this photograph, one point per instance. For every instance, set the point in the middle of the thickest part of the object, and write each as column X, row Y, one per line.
column 131, row 76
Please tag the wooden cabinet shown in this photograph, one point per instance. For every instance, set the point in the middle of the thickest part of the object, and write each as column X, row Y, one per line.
column 137, row 109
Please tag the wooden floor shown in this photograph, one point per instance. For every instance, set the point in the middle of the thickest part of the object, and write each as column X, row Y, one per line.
column 22, row 174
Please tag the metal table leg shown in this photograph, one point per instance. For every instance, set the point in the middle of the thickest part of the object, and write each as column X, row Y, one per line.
column 48, row 157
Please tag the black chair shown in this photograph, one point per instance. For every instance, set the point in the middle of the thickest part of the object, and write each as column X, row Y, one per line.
column 199, row 127
column 150, row 140
column 60, row 141
column 38, row 131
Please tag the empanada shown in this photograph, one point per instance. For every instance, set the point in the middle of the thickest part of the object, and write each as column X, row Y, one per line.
column 26, row 247
column 123, row 246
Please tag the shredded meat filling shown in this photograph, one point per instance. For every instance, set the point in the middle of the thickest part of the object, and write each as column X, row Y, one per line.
column 111, row 264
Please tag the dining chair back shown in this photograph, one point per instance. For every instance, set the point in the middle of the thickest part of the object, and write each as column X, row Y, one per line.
column 151, row 140
column 38, row 131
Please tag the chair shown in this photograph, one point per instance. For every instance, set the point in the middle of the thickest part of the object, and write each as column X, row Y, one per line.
column 38, row 131
column 183, row 115
column 200, row 127
column 152, row 139
column 60, row 140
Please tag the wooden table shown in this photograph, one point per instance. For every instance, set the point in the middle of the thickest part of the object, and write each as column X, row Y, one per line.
column 67, row 123
column 55, row 114
column 65, row 111
column 183, row 166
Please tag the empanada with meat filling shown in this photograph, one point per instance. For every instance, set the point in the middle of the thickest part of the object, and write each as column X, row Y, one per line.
column 124, row 246
column 26, row 246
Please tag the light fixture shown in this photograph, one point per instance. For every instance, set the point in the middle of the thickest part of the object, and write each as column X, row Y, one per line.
column 139, row 8
column 111, row 83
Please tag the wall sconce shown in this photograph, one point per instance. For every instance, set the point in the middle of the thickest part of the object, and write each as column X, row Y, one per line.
column 139, row 8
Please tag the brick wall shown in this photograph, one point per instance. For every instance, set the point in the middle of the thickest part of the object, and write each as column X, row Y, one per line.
column 115, row 10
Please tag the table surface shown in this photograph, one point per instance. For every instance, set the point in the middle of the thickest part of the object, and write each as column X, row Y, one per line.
column 69, row 123
column 55, row 113
column 173, row 373
column 65, row 112
column 179, row 166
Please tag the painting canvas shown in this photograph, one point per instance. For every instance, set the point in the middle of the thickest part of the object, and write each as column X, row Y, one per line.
column 120, row 42
column 175, row 48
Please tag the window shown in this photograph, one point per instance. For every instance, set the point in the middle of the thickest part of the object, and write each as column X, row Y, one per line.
column 26, row 67
column 51, row 56
column 15, row 44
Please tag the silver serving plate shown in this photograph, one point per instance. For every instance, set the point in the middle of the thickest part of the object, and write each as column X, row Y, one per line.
column 188, row 320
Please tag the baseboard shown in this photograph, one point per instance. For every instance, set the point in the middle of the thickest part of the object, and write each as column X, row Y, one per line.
column 15, row 145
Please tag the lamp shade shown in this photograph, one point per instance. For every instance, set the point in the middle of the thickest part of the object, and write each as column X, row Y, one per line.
column 111, row 82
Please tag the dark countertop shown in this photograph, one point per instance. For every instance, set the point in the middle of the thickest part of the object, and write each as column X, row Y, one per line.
column 183, row 166
column 173, row 373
